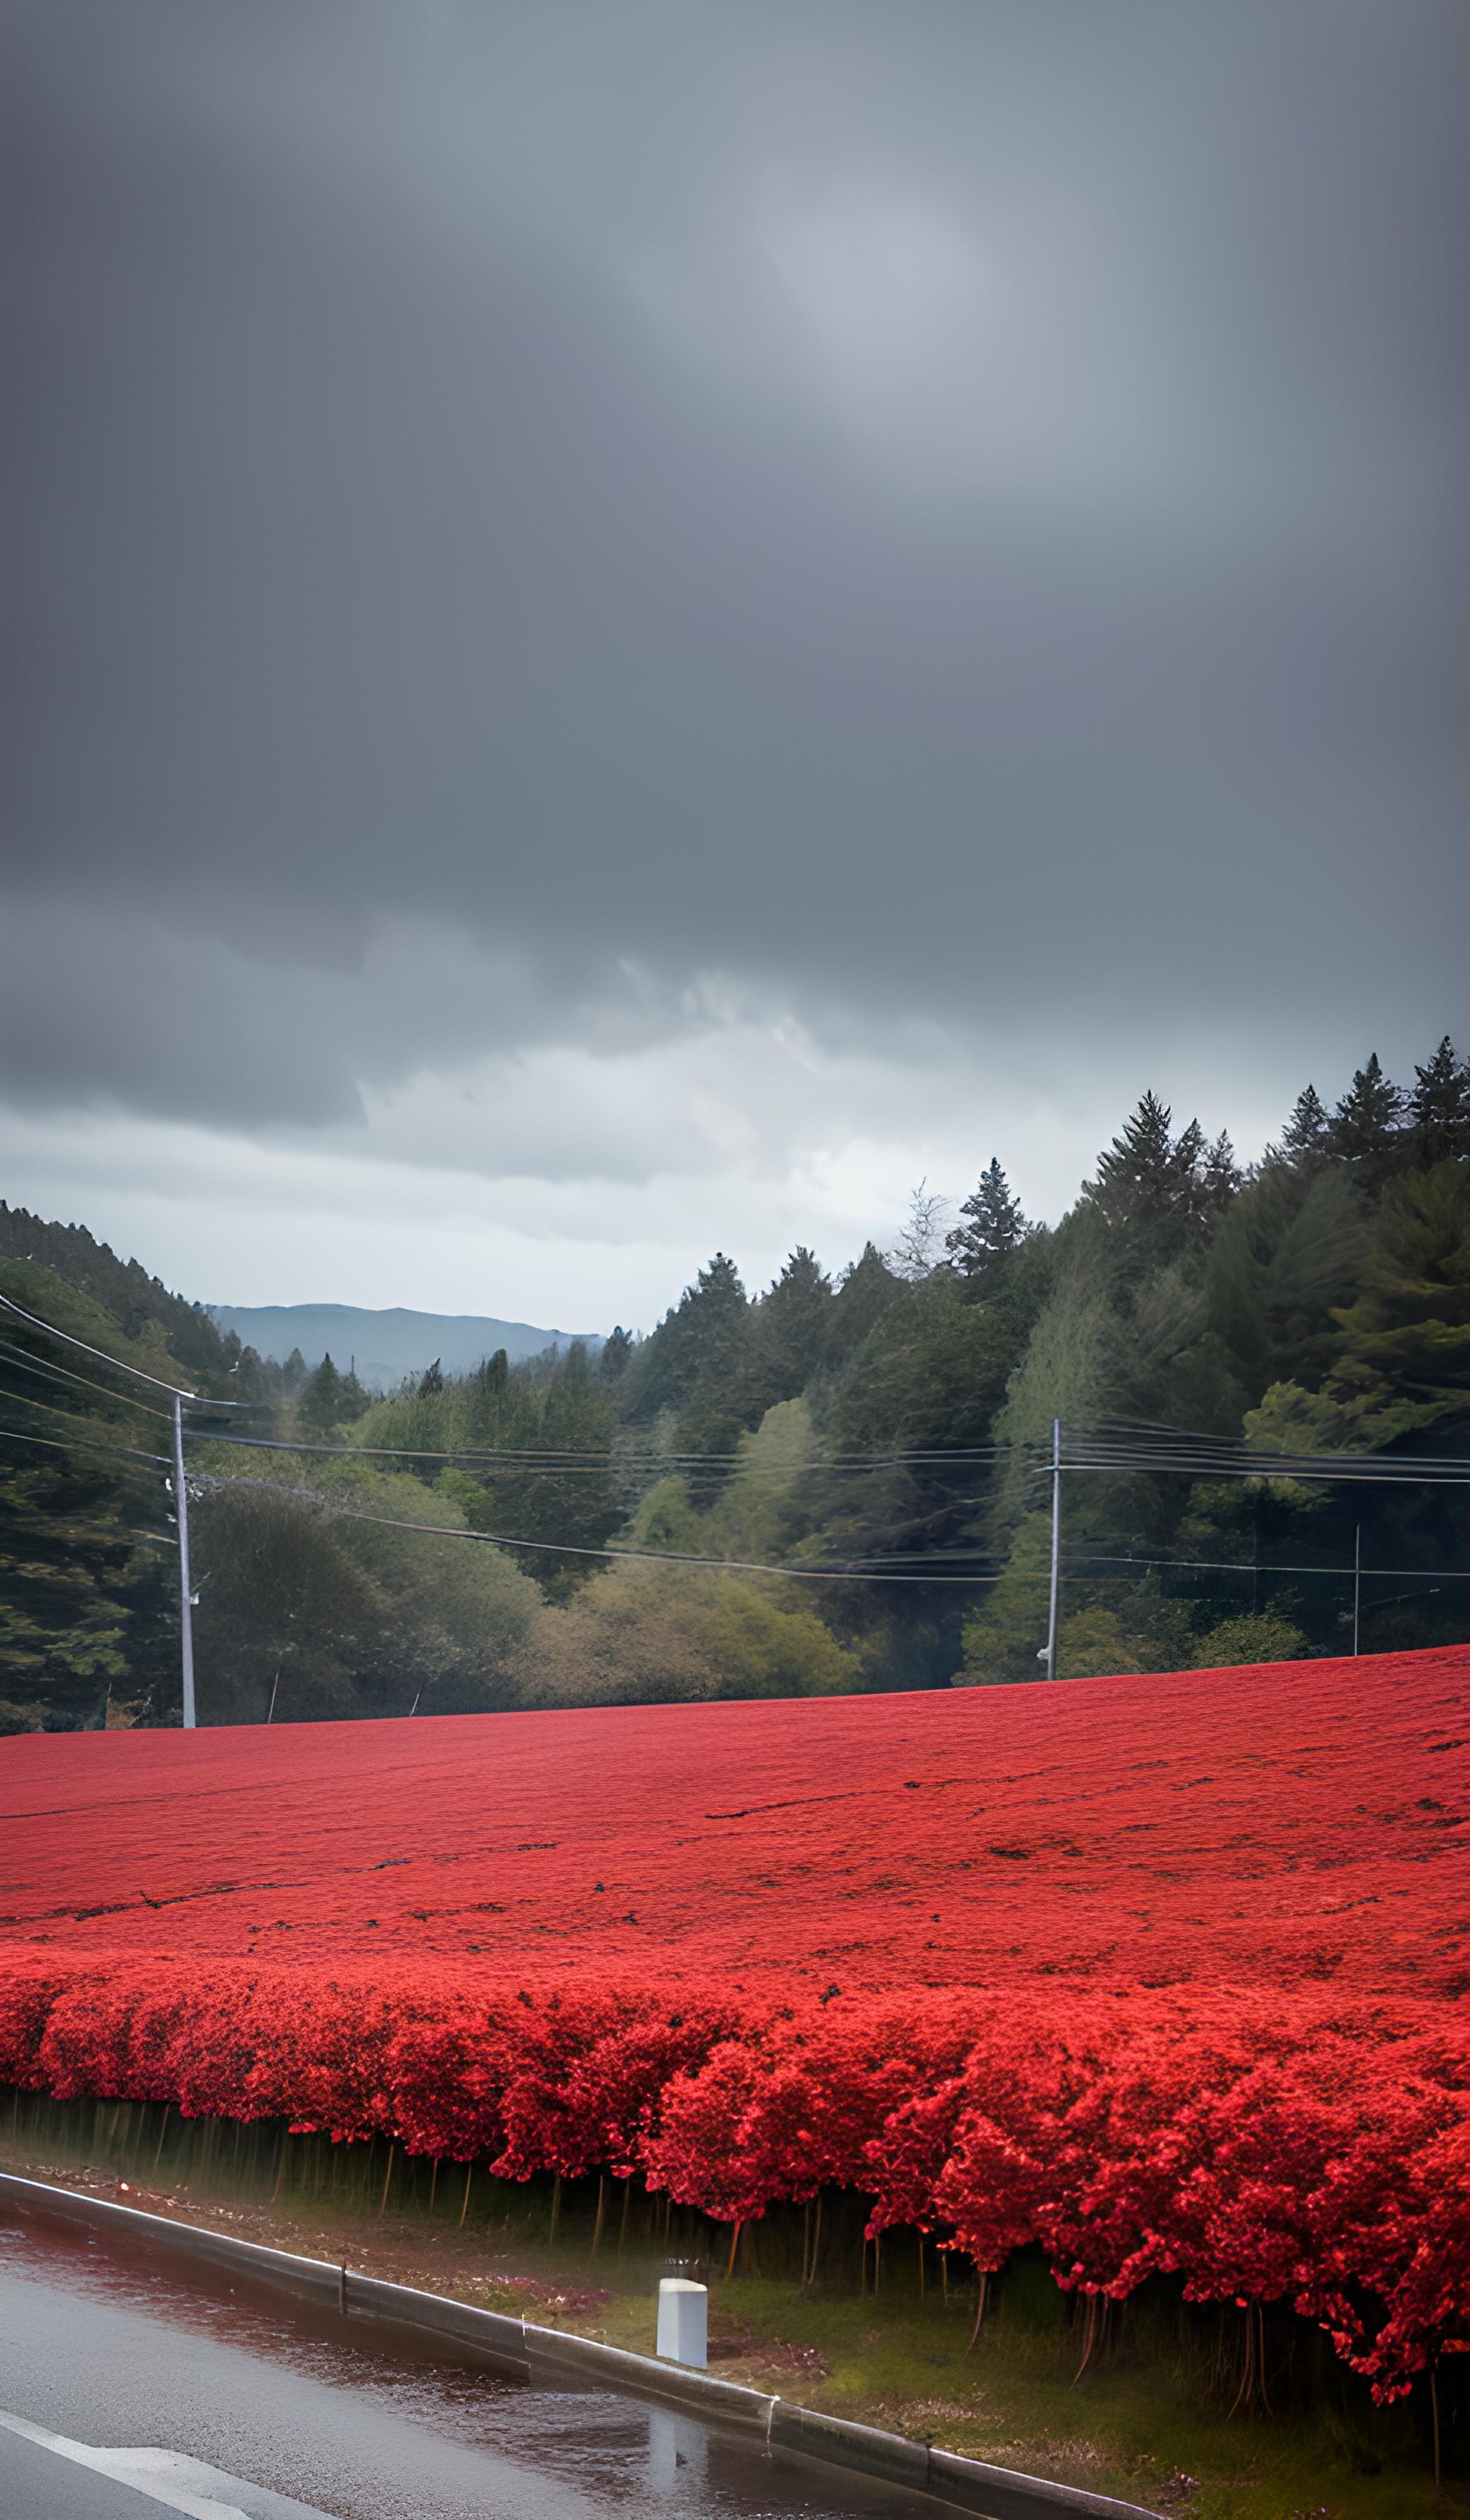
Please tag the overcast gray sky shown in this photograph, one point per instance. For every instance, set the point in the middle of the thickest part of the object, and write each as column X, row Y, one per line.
column 630, row 625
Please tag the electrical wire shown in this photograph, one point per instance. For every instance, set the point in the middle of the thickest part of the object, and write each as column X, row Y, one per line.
column 79, row 1444
column 572, row 1548
column 50, row 1409
column 1126, row 1428
column 63, row 1373
column 1301, row 1473
column 1416, row 1467
column 594, row 1465
column 1210, row 1459
column 120, row 1364
column 1115, row 1439
column 1248, row 1566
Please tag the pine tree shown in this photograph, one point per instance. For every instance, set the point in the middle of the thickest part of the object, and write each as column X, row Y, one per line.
column 713, row 1325
column 1219, row 1177
column 865, row 1289
column 698, row 1348
column 1404, row 1345
column 1439, row 1108
column 992, row 1223
column 616, row 1348
column 1366, row 1124
column 432, row 1379
column 1137, row 1183
column 1308, row 1131
column 1187, row 1164
column 321, row 1397
column 489, row 1403
column 791, row 1327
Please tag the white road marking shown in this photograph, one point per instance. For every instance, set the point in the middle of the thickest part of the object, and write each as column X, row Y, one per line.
column 165, row 2476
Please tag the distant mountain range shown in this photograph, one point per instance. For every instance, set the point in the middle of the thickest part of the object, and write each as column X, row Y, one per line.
column 385, row 1346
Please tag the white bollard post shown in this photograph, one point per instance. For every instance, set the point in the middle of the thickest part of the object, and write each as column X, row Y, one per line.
column 683, row 2321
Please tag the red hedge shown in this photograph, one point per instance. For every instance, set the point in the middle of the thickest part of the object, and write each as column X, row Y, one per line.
column 1192, row 2003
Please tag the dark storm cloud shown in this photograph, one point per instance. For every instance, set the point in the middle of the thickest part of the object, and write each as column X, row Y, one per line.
column 933, row 510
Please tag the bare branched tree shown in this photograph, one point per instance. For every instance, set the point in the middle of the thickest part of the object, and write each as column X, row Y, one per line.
column 919, row 1247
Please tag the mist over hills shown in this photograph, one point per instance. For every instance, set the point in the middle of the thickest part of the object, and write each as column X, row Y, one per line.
column 382, row 1347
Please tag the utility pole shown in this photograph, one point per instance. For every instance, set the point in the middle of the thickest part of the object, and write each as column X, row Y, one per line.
column 1056, row 1545
column 1357, row 1579
column 186, row 1606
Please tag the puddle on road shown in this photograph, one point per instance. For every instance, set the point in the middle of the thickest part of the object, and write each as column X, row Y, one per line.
column 612, row 2450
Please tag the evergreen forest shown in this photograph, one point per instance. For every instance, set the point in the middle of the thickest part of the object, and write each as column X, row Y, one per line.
column 837, row 1483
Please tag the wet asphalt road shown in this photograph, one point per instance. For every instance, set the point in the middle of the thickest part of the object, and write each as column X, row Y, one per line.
column 111, row 2346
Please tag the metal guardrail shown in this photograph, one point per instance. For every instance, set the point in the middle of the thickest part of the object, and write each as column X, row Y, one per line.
column 546, row 2354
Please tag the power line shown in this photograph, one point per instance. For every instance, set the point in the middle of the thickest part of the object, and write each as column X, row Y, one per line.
column 863, row 1571
column 77, row 1526
column 690, row 1468
column 1124, row 1428
column 51, row 1409
column 63, row 1373
column 78, row 1444
column 1303, row 1473
column 574, row 1549
column 586, row 1462
column 1250, row 1566
column 1115, row 1439
column 1085, row 1449
column 120, row 1364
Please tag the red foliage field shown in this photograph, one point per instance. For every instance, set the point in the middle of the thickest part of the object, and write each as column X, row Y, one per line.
column 1159, row 1971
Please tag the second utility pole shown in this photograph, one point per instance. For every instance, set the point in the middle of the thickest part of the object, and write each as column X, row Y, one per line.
column 1056, row 1543
column 186, row 1606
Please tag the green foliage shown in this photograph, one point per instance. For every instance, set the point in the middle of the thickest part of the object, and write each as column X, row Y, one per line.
column 1290, row 1249
column 1399, row 1355
column 1004, row 1636
column 790, row 1331
column 1068, row 1368
column 932, row 1371
column 1365, row 1127
column 1155, row 1196
column 1145, row 1635
column 85, row 1597
column 1165, row 1368
column 564, row 1407
column 1308, row 1131
column 764, row 1511
column 1256, row 1636
column 864, row 1292
column 640, row 1634
column 617, row 1349
column 1404, row 1344
column 39, row 1292
column 311, row 1603
column 887, row 1424
column 122, row 1293
column 1439, row 1108
column 321, row 1403
column 991, row 1225
column 696, row 1364
column 1291, row 1420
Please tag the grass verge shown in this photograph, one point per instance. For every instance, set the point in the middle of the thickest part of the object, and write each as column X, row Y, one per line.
column 1148, row 2419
